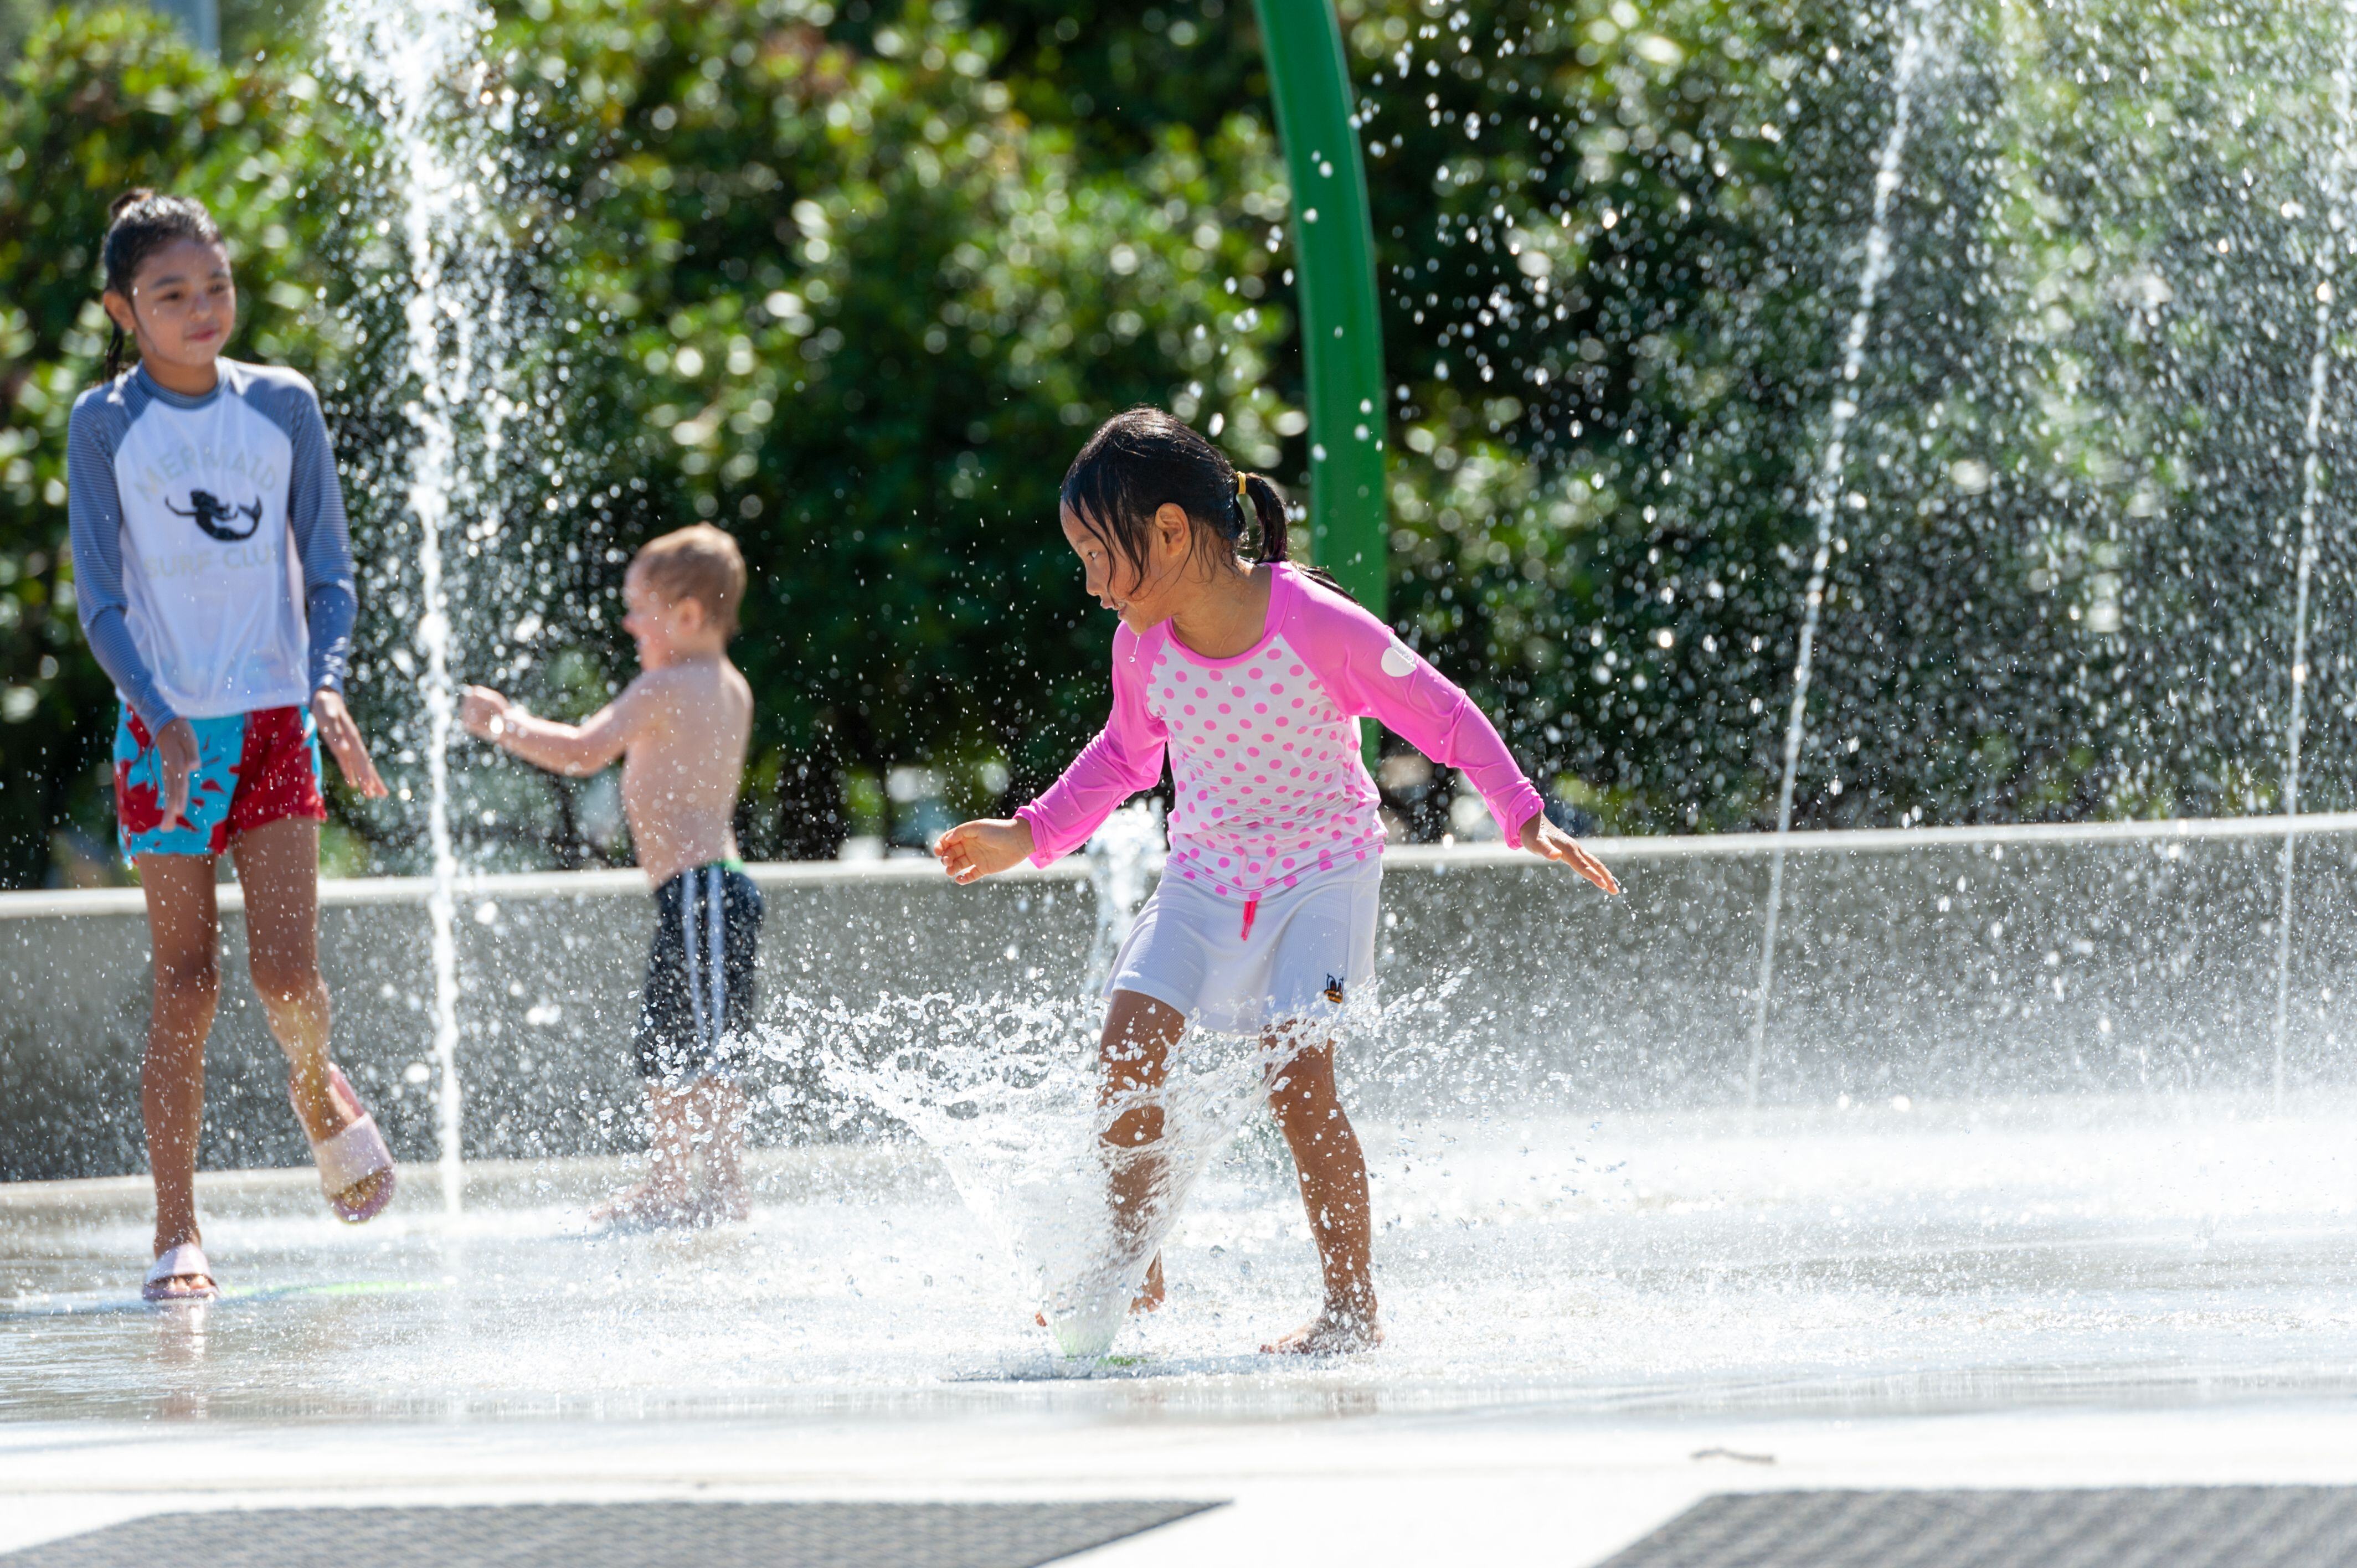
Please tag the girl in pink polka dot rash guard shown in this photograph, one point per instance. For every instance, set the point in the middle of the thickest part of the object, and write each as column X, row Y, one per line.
column 1250, row 679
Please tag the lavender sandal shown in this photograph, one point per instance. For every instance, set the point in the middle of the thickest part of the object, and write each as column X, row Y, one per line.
column 351, row 1157
column 186, row 1260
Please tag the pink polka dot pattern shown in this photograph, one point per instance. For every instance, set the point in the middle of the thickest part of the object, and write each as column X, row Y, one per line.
column 1270, row 784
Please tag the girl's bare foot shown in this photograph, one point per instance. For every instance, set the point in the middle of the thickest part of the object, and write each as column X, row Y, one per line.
column 324, row 1115
column 1335, row 1331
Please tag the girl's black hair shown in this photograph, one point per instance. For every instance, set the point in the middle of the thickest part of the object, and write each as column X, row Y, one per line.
column 140, row 223
column 1143, row 458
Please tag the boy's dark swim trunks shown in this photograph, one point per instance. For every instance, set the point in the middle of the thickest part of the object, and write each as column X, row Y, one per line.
column 699, row 993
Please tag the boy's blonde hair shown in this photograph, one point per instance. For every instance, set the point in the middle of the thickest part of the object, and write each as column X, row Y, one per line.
column 701, row 564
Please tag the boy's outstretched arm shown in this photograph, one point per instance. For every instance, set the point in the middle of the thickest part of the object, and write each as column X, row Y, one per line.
column 574, row 750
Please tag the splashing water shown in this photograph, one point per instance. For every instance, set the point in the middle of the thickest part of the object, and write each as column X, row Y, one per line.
column 420, row 67
column 434, row 632
column 1825, row 496
column 1124, row 856
column 2319, row 377
column 1010, row 1095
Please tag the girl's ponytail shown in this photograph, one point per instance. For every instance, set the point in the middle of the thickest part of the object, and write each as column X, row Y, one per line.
column 1266, row 504
column 1145, row 458
column 1268, row 508
column 139, row 223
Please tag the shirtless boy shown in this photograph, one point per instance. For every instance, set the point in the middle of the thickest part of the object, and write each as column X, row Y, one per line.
column 680, row 729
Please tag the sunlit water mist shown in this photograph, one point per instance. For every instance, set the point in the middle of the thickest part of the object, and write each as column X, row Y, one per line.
column 2068, row 589
column 419, row 66
column 1847, row 1262
column 2036, row 479
column 2335, row 184
column 1863, row 1244
column 1825, row 492
column 1124, row 855
column 1008, row 1093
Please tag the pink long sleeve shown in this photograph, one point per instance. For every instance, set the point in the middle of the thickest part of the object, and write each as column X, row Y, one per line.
column 1267, row 782
column 1370, row 672
column 1124, row 758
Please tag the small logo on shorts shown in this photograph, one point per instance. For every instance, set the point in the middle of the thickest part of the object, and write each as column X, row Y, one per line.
column 1334, row 989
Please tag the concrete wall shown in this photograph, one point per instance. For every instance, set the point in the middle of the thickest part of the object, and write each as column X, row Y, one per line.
column 1940, row 963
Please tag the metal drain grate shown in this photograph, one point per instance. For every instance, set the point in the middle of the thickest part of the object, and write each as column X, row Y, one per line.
column 2140, row 1527
column 618, row 1535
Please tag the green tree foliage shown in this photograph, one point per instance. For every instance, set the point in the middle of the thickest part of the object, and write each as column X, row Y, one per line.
column 846, row 300
column 1612, row 241
column 849, row 302
column 854, row 279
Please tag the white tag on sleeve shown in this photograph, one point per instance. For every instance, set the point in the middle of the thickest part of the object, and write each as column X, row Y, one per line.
column 1398, row 662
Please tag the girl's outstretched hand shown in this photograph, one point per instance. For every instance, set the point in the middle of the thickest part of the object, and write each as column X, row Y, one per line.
column 972, row 850
column 1544, row 838
column 342, row 737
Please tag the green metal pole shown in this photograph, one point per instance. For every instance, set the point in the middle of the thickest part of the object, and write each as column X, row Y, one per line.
column 1334, row 279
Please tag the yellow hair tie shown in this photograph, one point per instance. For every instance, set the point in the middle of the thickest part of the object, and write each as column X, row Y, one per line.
column 1241, row 495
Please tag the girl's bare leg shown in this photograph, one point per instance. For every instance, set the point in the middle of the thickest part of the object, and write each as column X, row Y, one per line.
column 278, row 866
column 1136, row 1051
column 1333, row 1174
column 182, row 928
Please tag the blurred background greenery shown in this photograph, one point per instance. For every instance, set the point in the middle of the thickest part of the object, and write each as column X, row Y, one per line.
column 853, row 279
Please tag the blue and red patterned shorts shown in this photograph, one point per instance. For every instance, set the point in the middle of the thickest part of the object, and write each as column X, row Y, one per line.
column 252, row 768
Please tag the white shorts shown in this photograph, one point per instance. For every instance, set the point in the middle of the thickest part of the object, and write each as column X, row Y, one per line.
column 1310, row 951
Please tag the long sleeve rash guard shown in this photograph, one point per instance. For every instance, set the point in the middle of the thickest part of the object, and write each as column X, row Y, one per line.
column 1264, row 748
column 213, row 563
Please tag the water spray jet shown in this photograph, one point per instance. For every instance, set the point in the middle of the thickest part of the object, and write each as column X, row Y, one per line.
column 1824, row 498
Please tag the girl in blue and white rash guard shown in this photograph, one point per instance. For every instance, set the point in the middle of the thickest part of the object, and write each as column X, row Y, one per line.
column 213, row 577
